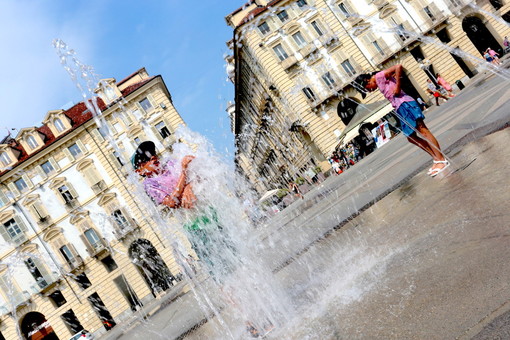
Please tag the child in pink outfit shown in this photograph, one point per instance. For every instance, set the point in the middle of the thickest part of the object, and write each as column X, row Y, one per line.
column 440, row 80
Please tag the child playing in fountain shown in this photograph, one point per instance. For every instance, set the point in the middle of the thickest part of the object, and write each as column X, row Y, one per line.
column 411, row 117
column 170, row 186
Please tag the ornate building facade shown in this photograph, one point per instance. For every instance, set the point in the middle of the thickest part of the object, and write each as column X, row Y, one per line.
column 293, row 62
column 77, row 250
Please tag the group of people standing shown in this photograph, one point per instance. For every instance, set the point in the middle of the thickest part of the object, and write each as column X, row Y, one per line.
column 344, row 158
column 492, row 56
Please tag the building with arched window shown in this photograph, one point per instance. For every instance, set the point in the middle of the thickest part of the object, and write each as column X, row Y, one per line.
column 72, row 233
column 301, row 56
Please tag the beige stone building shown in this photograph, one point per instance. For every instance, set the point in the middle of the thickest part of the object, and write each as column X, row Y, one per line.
column 293, row 62
column 77, row 248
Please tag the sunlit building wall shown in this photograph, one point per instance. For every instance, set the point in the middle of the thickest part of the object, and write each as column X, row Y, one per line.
column 77, row 248
column 301, row 56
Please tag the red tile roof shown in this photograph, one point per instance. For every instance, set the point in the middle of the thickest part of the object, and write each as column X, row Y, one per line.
column 256, row 11
column 78, row 114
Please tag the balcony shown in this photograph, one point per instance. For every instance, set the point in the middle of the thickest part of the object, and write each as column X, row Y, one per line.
column 330, row 40
column 75, row 263
column 289, row 62
column 380, row 3
column 49, row 285
column 98, row 250
column 306, row 50
column 127, row 228
column 433, row 19
column 14, row 301
column 99, row 187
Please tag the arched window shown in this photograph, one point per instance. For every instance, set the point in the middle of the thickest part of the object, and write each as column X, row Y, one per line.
column 32, row 142
column 5, row 159
column 59, row 125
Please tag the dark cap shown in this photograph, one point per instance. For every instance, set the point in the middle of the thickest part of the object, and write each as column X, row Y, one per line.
column 360, row 82
column 143, row 153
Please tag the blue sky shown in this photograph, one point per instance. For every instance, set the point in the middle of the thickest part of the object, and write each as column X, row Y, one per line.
column 184, row 41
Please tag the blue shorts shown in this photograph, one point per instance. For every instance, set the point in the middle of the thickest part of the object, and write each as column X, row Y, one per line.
column 408, row 113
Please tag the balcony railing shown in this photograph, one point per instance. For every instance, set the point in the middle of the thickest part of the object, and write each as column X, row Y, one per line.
column 288, row 62
column 74, row 263
column 98, row 250
column 121, row 233
column 436, row 18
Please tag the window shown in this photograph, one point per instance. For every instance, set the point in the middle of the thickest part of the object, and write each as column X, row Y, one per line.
column 456, row 3
column 344, row 9
column 83, row 281
column 283, row 16
column 32, row 142
column 102, row 133
column 298, row 38
column 328, row 80
column 378, row 47
column 317, row 28
column 301, row 3
column 47, row 168
column 400, row 30
column 59, row 125
column 264, row 28
column 67, row 254
column 348, row 68
column 21, row 185
column 93, row 238
column 280, row 52
column 429, row 13
column 13, row 229
column 109, row 263
column 36, row 272
column 117, row 155
column 66, row 194
column 71, row 321
column 57, row 298
column 120, row 219
column 163, row 130
column 74, row 150
column 146, row 105
column 137, row 140
column 443, row 36
column 309, row 93
column 5, row 159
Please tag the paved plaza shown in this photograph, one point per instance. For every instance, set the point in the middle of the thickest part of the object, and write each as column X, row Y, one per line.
column 384, row 251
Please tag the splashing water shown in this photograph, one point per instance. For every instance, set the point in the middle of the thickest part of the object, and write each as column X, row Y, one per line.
column 227, row 247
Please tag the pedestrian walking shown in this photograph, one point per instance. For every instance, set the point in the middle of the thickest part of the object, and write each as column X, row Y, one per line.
column 408, row 111
column 441, row 81
column 422, row 104
column 506, row 43
column 434, row 91
column 295, row 189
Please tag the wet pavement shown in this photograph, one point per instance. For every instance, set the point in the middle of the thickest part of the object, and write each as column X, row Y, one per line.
column 384, row 251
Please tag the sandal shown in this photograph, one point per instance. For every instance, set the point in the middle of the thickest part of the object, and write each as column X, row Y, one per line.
column 435, row 172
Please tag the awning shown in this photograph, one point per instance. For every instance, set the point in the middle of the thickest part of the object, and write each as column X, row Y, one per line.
column 268, row 194
column 365, row 113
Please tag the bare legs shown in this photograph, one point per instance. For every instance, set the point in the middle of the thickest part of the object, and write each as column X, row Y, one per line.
column 427, row 143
